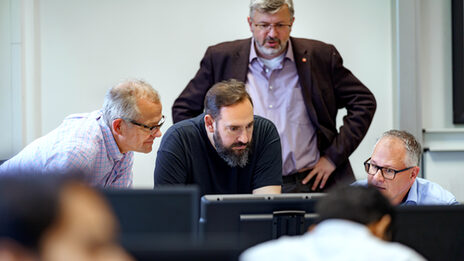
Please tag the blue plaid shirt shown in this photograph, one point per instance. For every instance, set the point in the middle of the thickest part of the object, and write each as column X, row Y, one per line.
column 83, row 143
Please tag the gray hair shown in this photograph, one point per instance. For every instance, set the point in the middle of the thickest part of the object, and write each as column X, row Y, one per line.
column 270, row 6
column 121, row 100
column 411, row 145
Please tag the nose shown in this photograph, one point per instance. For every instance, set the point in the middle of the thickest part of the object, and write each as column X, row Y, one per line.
column 378, row 176
column 272, row 31
column 156, row 133
column 243, row 137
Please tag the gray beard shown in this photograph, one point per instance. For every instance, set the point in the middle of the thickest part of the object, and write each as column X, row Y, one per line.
column 229, row 155
column 270, row 51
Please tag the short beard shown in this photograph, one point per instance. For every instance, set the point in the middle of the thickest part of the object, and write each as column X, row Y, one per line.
column 229, row 155
column 270, row 51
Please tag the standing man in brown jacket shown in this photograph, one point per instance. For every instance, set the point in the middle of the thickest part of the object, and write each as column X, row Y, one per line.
column 299, row 84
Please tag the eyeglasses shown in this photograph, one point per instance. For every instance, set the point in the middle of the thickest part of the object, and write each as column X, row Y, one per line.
column 151, row 129
column 267, row 27
column 387, row 173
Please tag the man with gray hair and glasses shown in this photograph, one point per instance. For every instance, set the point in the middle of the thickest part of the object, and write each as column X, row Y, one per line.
column 299, row 84
column 99, row 144
column 393, row 169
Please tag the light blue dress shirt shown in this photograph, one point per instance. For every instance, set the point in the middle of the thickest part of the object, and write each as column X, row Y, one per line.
column 424, row 192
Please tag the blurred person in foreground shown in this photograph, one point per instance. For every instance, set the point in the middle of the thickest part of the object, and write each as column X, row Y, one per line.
column 27, row 209
column 55, row 219
column 354, row 223
column 99, row 144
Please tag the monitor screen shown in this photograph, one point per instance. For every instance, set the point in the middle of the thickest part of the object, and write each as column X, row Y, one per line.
column 161, row 215
column 457, row 21
column 436, row 232
column 245, row 220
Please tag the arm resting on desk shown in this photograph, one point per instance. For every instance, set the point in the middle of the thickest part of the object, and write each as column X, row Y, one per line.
column 268, row 190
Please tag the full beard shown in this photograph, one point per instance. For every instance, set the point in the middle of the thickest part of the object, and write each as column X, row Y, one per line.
column 270, row 51
column 232, row 157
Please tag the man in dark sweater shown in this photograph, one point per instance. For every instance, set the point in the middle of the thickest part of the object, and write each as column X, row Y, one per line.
column 224, row 150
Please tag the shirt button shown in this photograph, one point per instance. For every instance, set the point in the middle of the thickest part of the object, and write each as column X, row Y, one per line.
column 270, row 87
column 267, row 70
column 270, row 106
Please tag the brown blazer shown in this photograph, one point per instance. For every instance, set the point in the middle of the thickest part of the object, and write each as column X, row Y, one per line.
column 326, row 86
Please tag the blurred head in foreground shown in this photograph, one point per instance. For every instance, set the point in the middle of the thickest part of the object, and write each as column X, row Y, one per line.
column 352, row 223
column 364, row 205
column 53, row 218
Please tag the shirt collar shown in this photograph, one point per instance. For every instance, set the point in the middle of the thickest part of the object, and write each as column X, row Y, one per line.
column 412, row 196
column 254, row 55
column 110, row 143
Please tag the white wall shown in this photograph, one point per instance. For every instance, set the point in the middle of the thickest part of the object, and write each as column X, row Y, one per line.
column 435, row 64
column 6, row 112
column 362, row 32
column 444, row 162
column 84, row 47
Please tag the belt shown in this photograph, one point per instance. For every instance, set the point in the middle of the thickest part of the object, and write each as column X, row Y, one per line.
column 295, row 176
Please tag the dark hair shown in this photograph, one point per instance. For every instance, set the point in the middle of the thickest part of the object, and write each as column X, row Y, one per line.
column 223, row 94
column 360, row 204
column 28, row 206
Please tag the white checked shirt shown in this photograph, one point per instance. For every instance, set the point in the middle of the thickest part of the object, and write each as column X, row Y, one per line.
column 83, row 143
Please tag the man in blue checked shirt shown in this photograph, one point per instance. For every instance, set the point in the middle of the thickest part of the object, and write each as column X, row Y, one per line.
column 99, row 144
column 393, row 169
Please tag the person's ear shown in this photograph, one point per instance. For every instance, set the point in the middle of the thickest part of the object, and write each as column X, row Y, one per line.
column 380, row 228
column 250, row 23
column 311, row 227
column 414, row 173
column 209, row 123
column 118, row 126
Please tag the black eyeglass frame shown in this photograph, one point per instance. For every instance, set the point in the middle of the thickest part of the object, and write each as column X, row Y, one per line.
column 155, row 127
column 367, row 166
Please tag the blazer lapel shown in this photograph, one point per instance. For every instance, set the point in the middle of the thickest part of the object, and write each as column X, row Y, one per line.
column 240, row 61
column 303, row 65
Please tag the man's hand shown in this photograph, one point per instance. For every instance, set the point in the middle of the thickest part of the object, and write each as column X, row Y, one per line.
column 323, row 169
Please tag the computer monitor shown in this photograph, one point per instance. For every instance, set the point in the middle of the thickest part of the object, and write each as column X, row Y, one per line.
column 212, row 251
column 162, row 215
column 245, row 220
column 436, row 232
